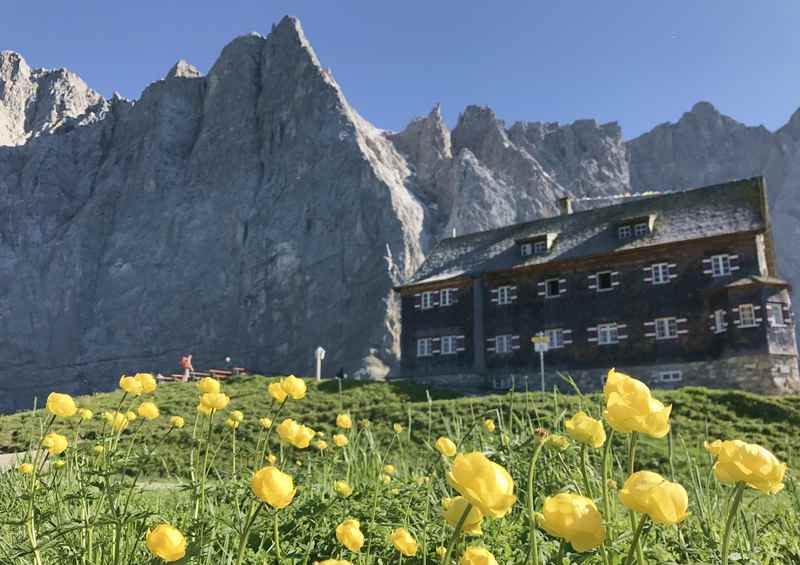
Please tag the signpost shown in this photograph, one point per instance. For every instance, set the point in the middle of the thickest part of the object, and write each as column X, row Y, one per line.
column 319, row 355
column 541, row 343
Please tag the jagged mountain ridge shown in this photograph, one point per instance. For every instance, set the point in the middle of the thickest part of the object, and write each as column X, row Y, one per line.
column 252, row 212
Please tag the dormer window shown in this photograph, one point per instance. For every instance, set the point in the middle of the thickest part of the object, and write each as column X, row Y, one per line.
column 636, row 227
column 624, row 232
column 539, row 247
column 536, row 244
column 641, row 229
column 526, row 249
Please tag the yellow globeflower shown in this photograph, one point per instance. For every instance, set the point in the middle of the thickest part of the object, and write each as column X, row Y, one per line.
column 404, row 542
column 276, row 391
column 294, row 387
column 748, row 463
column 130, row 415
column 25, row 468
column 273, row 487
column 349, row 534
column 177, row 422
column 61, row 405
column 208, row 385
column 287, row 429
column 441, row 551
column 344, row 421
column 452, row 510
column 320, row 444
column 215, row 400
column 204, row 410
column 446, row 446
column 303, row 437
column 477, row 556
column 231, row 423
column 586, row 430
column 236, row 416
column 265, row 423
column 488, row 425
column 389, row 469
column 573, row 518
column 398, row 428
column 650, row 493
column 166, row 542
column 59, row 464
column 119, row 421
column 485, row 484
column 386, row 479
column 343, row 488
column 631, row 408
column 85, row 414
column 148, row 410
column 147, row 380
column 99, row 449
column 131, row 385
column 271, row 459
column 340, row 440
column 55, row 443
column 557, row 441
column 333, row 562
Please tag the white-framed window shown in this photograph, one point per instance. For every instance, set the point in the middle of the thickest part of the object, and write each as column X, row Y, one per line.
column 607, row 334
column 449, row 345
column 427, row 300
column 660, row 273
column 526, row 249
column 747, row 316
column 425, row 347
column 775, row 314
column 540, row 247
column 556, row 338
column 668, row 377
column 624, row 232
column 504, row 295
column 447, row 297
column 666, row 328
column 720, row 265
column 552, row 288
column 604, row 281
column 719, row 321
column 503, row 343
column 641, row 229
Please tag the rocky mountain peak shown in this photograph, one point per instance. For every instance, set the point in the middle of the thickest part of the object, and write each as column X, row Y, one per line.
column 183, row 69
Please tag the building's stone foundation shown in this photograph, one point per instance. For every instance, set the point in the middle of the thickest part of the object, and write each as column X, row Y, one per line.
column 765, row 374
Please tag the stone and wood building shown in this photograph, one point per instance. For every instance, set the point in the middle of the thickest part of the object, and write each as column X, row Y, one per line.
column 678, row 289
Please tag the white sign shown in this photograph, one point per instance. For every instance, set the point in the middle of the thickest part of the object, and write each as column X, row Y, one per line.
column 541, row 343
column 319, row 353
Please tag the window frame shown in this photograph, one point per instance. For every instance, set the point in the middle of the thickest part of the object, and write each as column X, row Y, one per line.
column 452, row 341
column 660, row 376
column 503, row 295
column 610, row 281
column 505, row 339
column 611, row 330
column 426, row 300
column 624, row 232
column 526, row 249
column 446, row 297
column 426, row 351
column 671, row 326
column 776, row 306
column 556, row 336
column 751, row 309
column 539, row 247
column 723, row 261
column 547, row 284
column 641, row 227
column 662, row 270
column 719, row 320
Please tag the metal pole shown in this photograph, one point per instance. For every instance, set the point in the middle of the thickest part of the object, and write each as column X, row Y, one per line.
column 541, row 367
column 319, row 367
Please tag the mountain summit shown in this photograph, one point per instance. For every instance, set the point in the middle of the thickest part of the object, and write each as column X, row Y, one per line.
column 253, row 213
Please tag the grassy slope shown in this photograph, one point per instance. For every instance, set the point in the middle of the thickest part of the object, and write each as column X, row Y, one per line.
column 697, row 414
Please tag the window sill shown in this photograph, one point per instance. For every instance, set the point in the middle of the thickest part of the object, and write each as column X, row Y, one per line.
column 553, row 296
column 666, row 338
column 741, row 326
column 605, row 289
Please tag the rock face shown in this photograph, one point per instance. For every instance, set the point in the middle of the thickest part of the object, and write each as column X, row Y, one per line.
column 253, row 213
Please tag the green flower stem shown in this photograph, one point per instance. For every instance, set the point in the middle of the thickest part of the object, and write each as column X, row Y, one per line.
column 204, row 470
column 273, row 418
column 456, row 535
column 234, row 453
column 632, row 441
column 533, row 547
column 277, row 537
column 635, row 547
column 585, row 472
column 246, row 531
column 726, row 538
column 604, row 486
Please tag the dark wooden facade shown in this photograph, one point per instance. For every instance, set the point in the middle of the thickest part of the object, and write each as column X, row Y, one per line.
column 691, row 297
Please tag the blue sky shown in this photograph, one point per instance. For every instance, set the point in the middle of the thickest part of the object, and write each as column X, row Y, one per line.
column 639, row 62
